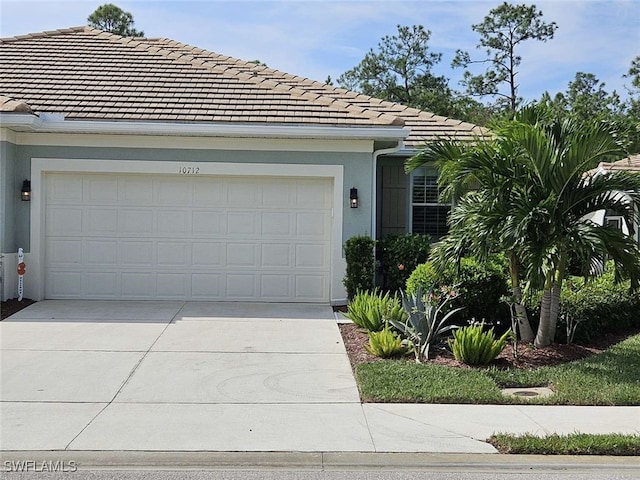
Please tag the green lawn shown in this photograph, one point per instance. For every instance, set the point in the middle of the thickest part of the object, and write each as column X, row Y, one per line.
column 611, row 378
column 574, row 444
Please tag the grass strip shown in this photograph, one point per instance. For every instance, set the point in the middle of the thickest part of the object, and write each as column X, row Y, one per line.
column 610, row 378
column 573, row 444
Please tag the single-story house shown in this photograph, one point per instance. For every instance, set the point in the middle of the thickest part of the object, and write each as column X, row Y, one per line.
column 140, row 168
column 629, row 164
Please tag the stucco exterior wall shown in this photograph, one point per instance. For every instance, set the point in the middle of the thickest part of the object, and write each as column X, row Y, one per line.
column 354, row 158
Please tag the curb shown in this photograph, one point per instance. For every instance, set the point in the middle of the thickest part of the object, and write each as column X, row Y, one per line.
column 319, row 461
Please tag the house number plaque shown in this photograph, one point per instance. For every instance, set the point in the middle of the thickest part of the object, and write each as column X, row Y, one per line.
column 188, row 170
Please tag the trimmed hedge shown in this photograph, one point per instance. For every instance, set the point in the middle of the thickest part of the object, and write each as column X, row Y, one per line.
column 358, row 253
column 399, row 255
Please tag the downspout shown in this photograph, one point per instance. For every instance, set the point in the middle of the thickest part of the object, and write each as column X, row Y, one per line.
column 374, row 179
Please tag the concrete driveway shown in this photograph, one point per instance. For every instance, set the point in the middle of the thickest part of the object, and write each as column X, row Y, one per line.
column 176, row 376
column 172, row 375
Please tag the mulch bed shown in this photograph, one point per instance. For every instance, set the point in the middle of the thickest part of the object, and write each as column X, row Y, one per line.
column 12, row 306
column 528, row 356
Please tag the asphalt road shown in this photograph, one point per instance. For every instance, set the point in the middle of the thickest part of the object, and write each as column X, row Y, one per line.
column 325, row 475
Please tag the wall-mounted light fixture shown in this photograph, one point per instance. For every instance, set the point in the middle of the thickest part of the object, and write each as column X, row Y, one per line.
column 25, row 193
column 353, row 197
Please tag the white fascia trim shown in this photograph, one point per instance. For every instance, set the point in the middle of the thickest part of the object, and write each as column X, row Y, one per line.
column 55, row 124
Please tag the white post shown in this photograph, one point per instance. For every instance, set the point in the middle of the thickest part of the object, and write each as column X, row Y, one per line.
column 22, row 268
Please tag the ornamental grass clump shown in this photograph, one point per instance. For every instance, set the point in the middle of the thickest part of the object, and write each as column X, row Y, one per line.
column 385, row 344
column 373, row 311
column 473, row 345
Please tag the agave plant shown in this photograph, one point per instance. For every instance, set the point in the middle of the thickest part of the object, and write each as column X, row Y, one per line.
column 426, row 320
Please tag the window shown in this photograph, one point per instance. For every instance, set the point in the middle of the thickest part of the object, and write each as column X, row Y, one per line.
column 614, row 220
column 428, row 215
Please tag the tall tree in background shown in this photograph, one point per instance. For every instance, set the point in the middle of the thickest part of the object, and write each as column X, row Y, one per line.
column 501, row 33
column 634, row 102
column 587, row 99
column 111, row 18
column 400, row 71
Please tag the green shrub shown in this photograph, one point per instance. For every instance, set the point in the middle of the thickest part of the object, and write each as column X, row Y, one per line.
column 600, row 305
column 373, row 310
column 479, row 287
column 358, row 252
column 475, row 346
column 399, row 255
column 385, row 344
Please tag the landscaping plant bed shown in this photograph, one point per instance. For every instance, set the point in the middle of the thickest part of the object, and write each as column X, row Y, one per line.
column 12, row 306
column 529, row 357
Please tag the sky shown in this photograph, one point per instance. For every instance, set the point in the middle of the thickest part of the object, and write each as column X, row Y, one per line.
column 317, row 38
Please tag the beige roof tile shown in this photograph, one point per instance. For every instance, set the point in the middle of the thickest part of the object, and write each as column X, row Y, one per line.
column 630, row 164
column 89, row 74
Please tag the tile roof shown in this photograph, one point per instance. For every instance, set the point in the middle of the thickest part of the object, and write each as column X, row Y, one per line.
column 85, row 73
column 630, row 164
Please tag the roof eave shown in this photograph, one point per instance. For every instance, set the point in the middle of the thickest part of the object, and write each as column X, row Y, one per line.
column 32, row 123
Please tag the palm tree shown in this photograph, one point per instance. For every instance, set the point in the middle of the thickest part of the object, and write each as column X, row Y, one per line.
column 558, row 195
column 482, row 176
column 534, row 195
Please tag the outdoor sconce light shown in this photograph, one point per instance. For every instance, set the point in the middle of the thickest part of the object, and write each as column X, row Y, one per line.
column 353, row 198
column 25, row 193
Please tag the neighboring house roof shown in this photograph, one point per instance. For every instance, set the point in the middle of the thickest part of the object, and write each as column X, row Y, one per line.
column 630, row 164
column 9, row 105
column 86, row 74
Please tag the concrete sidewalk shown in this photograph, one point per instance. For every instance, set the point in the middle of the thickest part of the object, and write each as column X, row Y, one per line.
column 175, row 376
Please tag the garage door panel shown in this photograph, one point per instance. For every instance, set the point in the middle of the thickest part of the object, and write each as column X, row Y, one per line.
column 208, row 222
column 275, row 287
column 100, row 252
column 207, row 191
column 65, row 189
column 101, row 189
column 63, row 284
column 173, row 253
column 187, row 237
column 311, row 224
column 172, row 222
column 137, row 285
column 172, row 285
column 241, row 286
column 243, row 193
column 242, row 223
column 276, row 255
column 207, row 254
column 136, row 253
column 171, row 191
column 100, row 221
column 310, row 287
column 64, row 220
column 241, row 255
column 136, row 222
column 276, row 224
column 207, row 286
column 101, row 284
column 310, row 256
column 135, row 190
column 278, row 194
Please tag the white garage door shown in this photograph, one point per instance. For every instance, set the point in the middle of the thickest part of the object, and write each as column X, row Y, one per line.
column 187, row 237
